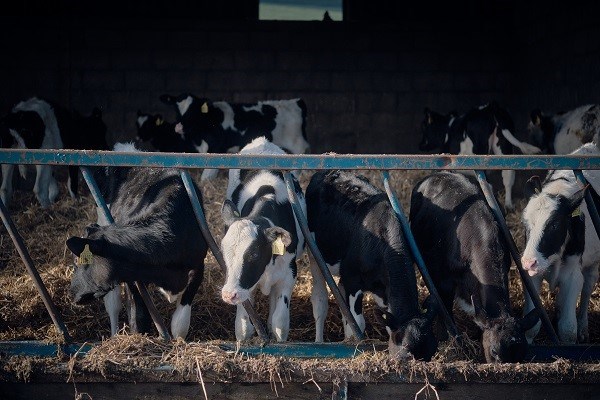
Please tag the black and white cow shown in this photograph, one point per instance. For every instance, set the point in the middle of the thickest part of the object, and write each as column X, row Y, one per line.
column 564, row 132
column 361, row 240
column 468, row 260
column 80, row 132
column 563, row 247
column 483, row 130
column 32, row 124
column 261, row 243
column 155, row 239
column 161, row 134
column 220, row 127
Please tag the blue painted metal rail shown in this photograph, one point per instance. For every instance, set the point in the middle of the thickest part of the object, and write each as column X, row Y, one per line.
column 290, row 162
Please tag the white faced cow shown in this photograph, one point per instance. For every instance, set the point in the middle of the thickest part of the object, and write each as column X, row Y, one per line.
column 468, row 260
column 261, row 243
column 155, row 239
column 361, row 240
column 487, row 129
column 31, row 125
column 220, row 127
column 563, row 247
column 563, row 133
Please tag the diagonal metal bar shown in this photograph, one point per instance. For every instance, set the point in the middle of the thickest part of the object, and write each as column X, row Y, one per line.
column 312, row 245
column 33, row 273
column 493, row 203
column 589, row 200
column 200, row 217
column 156, row 318
column 416, row 253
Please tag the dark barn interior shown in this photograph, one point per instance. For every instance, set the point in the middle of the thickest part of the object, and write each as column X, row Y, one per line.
column 365, row 80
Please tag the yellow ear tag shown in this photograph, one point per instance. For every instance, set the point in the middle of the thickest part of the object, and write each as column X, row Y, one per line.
column 159, row 122
column 86, row 256
column 424, row 311
column 576, row 212
column 278, row 247
column 204, row 108
column 236, row 214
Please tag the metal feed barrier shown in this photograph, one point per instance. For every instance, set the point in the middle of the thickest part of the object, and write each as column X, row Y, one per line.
column 298, row 162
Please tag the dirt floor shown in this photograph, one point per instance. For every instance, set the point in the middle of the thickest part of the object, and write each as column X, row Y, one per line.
column 23, row 316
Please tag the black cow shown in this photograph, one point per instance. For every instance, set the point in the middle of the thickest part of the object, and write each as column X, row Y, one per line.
column 483, row 130
column 564, row 132
column 155, row 239
column 468, row 260
column 361, row 240
column 220, row 127
column 161, row 134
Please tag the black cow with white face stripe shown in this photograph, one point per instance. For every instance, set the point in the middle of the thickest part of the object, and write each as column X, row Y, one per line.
column 487, row 129
column 361, row 240
column 161, row 134
column 220, row 127
column 468, row 260
column 563, row 247
column 261, row 243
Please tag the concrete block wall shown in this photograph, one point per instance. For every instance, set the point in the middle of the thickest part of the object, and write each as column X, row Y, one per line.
column 365, row 85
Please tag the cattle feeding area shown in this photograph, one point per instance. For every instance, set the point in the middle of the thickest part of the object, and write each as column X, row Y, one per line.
column 126, row 356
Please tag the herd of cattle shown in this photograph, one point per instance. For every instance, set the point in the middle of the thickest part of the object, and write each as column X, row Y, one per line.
column 155, row 237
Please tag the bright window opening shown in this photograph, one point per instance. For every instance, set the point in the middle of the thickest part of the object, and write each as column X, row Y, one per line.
column 299, row 10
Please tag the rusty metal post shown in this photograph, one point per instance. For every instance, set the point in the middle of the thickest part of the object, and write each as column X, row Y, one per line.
column 33, row 273
column 156, row 318
column 493, row 203
column 449, row 322
column 312, row 245
column 189, row 187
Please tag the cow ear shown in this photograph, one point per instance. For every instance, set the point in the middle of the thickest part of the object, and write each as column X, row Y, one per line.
column 575, row 201
column 77, row 244
column 536, row 117
column 532, row 186
column 430, row 308
column 229, row 212
column 529, row 320
column 168, row 99
column 276, row 232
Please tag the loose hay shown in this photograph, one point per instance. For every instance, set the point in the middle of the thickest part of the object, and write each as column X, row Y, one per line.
column 23, row 316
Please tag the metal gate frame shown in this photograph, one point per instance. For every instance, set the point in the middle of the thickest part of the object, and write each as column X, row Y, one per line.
column 286, row 163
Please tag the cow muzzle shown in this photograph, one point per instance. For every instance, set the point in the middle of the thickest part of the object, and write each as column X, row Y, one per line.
column 530, row 265
column 234, row 296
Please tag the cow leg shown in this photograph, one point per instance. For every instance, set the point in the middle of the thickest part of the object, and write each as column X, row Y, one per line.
column 590, row 277
column 532, row 333
column 42, row 184
column 209, row 175
column 570, row 281
column 243, row 326
column 354, row 297
column 6, row 189
column 52, row 188
column 180, row 321
column 319, row 300
column 508, row 179
column 139, row 316
column 280, row 297
column 73, row 181
column 113, row 304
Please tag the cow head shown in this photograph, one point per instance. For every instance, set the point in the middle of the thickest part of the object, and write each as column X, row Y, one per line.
column 541, row 130
column 434, row 130
column 247, row 249
column 414, row 337
column 503, row 338
column 28, row 125
column 553, row 223
column 94, row 274
column 148, row 125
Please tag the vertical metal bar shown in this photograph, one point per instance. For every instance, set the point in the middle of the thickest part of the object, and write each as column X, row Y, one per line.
column 312, row 245
column 450, row 326
column 189, row 187
column 493, row 203
column 589, row 200
column 156, row 318
column 35, row 276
